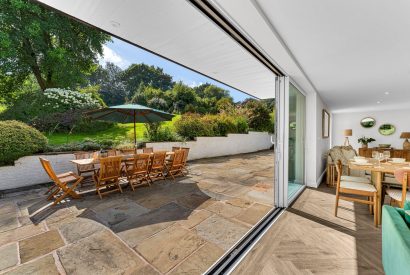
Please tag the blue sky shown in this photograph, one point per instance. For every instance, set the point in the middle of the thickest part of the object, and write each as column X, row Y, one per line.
column 123, row 54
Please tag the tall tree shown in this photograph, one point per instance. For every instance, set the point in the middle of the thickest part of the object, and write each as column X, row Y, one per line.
column 152, row 76
column 112, row 87
column 57, row 50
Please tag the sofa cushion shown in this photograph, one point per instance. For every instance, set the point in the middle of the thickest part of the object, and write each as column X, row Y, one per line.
column 358, row 186
column 355, row 179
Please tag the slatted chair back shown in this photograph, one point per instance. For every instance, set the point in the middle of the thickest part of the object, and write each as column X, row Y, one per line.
column 141, row 163
column 186, row 152
column 178, row 160
column 174, row 148
column 130, row 151
column 110, row 168
column 112, row 153
column 158, row 160
column 148, row 150
column 403, row 176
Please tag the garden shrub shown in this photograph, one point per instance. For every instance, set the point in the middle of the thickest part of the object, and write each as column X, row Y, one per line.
column 190, row 126
column 52, row 110
column 259, row 116
column 17, row 139
column 86, row 145
column 157, row 132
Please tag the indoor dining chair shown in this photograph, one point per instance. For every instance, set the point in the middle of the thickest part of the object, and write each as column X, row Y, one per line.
column 400, row 195
column 355, row 188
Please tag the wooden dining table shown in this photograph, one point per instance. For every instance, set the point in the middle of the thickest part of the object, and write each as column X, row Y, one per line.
column 377, row 174
column 89, row 161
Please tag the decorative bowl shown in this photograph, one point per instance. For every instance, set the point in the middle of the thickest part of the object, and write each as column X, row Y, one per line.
column 384, row 145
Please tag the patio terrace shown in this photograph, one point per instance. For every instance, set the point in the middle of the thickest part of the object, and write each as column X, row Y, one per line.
column 172, row 227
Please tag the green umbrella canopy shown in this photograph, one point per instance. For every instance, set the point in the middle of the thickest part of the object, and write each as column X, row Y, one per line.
column 125, row 114
column 130, row 113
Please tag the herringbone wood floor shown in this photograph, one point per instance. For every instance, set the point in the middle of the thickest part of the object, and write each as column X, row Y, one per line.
column 308, row 239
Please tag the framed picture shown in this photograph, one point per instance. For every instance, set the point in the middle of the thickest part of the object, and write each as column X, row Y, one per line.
column 325, row 124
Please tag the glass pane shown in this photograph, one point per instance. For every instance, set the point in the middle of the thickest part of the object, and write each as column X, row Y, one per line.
column 296, row 141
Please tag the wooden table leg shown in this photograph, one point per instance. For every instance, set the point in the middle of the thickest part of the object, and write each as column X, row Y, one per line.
column 377, row 180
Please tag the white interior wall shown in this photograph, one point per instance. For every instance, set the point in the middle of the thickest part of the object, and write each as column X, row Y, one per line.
column 316, row 146
column 342, row 121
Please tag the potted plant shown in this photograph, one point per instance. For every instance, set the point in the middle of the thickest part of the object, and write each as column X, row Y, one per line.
column 365, row 141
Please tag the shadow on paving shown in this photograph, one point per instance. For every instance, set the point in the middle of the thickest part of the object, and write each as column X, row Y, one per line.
column 162, row 203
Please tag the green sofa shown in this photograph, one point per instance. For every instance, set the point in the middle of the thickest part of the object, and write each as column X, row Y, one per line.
column 395, row 241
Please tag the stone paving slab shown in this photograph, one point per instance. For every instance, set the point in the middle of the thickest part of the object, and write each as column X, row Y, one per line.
column 114, row 212
column 254, row 213
column 101, row 253
column 79, row 228
column 195, row 218
column 161, row 251
column 136, row 229
column 8, row 256
column 224, row 209
column 199, row 261
column 221, row 231
column 20, row 233
column 45, row 265
column 39, row 245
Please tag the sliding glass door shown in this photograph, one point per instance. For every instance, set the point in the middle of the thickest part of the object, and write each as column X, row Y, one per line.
column 296, row 146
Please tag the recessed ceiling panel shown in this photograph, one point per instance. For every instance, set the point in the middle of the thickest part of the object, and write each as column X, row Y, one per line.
column 176, row 30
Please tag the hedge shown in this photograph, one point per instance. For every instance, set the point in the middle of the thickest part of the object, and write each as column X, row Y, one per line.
column 17, row 140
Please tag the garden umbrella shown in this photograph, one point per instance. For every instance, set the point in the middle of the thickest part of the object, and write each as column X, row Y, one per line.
column 130, row 113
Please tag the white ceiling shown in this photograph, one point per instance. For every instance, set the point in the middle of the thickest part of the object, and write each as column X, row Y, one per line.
column 351, row 52
column 177, row 30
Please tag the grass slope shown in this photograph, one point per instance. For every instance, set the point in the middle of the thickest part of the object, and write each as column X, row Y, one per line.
column 119, row 131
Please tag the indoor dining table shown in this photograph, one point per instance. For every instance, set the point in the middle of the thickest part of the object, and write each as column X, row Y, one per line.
column 377, row 173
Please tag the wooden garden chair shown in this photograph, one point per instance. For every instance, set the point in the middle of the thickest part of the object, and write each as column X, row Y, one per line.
column 126, row 152
column 355, row 188
column 64, row 184
column 148, row 150
column 185, row 160
column 157, row 165
column 137, row 171
column 107, row 177
column 177, row 164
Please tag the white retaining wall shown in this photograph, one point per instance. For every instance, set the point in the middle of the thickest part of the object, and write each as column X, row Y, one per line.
column 207, row 147
column 28, row 170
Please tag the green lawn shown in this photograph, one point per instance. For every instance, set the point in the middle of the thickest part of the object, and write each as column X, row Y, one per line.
column 119, row 131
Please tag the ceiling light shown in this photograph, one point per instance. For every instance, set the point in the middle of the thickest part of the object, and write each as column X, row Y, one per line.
column 115, row 24
column 386, row 93
column 378, row 102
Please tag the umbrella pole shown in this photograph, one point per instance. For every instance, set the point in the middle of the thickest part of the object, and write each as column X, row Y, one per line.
column 135, row 132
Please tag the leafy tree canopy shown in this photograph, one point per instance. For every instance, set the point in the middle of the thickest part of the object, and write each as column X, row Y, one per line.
column 152, row 76
column 112, row 87
column 57, row 50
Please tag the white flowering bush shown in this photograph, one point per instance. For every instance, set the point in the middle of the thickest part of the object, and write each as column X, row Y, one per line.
column 62, row 100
